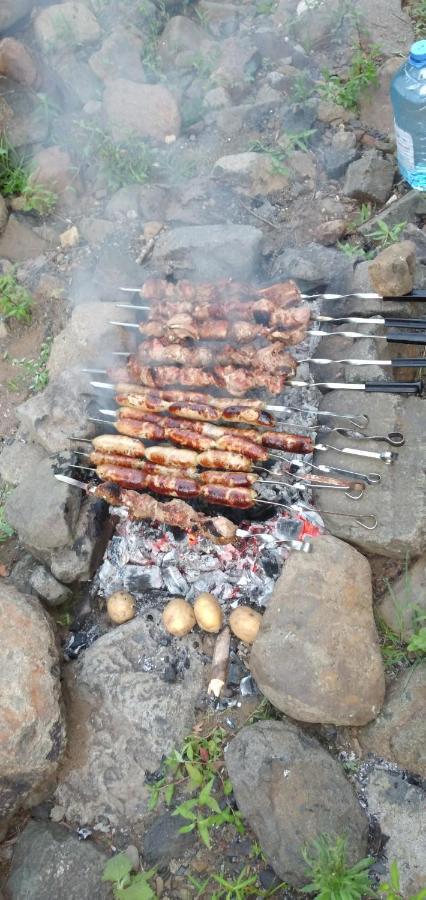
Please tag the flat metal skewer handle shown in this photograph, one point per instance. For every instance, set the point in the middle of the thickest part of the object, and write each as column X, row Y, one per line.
column 400, row 362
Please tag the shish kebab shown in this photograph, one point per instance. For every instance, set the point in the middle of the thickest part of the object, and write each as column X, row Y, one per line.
column 238, row 381
column 247, row 451
column 206, row 292
column 196, row 417
column 132, row 451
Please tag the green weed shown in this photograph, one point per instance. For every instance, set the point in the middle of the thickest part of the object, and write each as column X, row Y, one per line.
column 16, row 180
column 125, row 884
column 204, row 813
column 346, row 90
column 355, row 250
column 199, row 760
column 418, row 12
column 6, row 530
column 362, row 216
column 417, row 643
column 128, row 161
column 34, row 375
column 245, row 885
column 302, row 89
column 15, row 301
column 264, row 7
column 281, row 151
column 391, row 890
column 330, row 875
column 384, row 235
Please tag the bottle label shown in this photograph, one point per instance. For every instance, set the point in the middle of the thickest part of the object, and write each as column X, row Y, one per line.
column 405, row 147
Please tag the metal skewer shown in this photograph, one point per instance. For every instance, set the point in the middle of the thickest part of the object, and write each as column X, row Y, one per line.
column 413, row 296
column 370, row 478
column 401, row 362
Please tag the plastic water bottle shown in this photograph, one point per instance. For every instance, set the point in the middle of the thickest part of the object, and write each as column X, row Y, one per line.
column 408, row 93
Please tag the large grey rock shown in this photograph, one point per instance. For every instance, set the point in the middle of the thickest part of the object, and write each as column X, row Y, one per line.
column 88, row 337
column 22, row 114
column 66, row 23
column 341, row 152
column 393, row 270
column 314, row 267
column 291, row 790
column 18, row 460
column 119, row 56
column 79, row 560
column 210, row 251
column 18, row 242
column 399, row 733
column 370, row 178
column 163, row 841
column 49, row 863
column 399, row 502
column 60, row 412
column 387, row 25
column 405, row 209
column 42, row 510
column 12, row 11
column 404, row 604
column 400, row 810
column 316, row 657
column 128, row 715
column 32, row 735
column 147, row 110
column 180, row 34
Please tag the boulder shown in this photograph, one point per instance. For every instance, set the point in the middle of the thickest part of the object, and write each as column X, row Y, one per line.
column 392, row 272
column 399, row 502
column 341, row 152
column 399, row 733
column 88, row 337
column 119, row 57
column 11, row 11
column 405, row 209
column 239, row 62
column 405, row 601
column 222, row 18
column 53, row 168
column 65, row 24
column 52, row 417
column 163, row 841
column 128, row 715
column 79, row 560
column 47, row 588
column 388, row 25
column 370, row 178
column 314, row 267
column 19, row 242
column 146, row 110
column 18, row 459
column 17, row 63
column 290, row 790
column 180, row 34
column 336, row 347
column 328, row 233
column 78, row 86
column 316, row 657
column 32, row 735
column 399, row 808
column 210, row 251
column 251, row 173
column 49, row 863
column 375, row 110
column 42, row 510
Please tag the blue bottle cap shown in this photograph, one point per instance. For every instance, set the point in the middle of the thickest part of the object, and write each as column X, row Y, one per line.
column 418, row 54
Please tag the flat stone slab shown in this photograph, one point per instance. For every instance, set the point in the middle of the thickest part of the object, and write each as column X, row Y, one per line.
column 399, row 501
column 125, row 712
column 210, row 251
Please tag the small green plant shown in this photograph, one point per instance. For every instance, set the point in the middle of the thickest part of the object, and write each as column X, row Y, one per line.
column 245, row 885
column 34, row 376
column 128, row 161
column 331, row 877
column 17, row 180
column 15, row 301
column 384, row 235
column 204, row 812
column 362, row 216
column 125, row 884
column 391, row 890
column 199, row 760
column 346, row 90
column 264, row 7
column 418, row 12
column 355, row 250
column 393, row 647
column 417, row 643
column 281, row 152
column 302, row 89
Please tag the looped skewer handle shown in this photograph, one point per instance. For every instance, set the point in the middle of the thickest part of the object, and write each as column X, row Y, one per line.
column 368, row 521
column 394, row 438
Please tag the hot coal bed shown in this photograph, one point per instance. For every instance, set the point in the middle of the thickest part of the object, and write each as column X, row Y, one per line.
column 156, row 562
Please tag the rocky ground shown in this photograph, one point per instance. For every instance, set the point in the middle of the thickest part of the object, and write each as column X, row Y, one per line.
column 200, row 140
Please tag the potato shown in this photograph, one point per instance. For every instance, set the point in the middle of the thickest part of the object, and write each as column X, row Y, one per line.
column 178, row 617
column 245, row 623
column 208, row 613
column 121, row 607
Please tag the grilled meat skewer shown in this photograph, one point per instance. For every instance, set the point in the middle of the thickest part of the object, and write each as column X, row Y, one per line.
column 237, row 381
column 206, row 410
column 160, row 352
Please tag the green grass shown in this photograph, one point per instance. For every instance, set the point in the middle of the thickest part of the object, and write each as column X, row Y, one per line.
column 280, row 152
column 391, row 890
column 16, row 179
column 418, row 12
column 384, row 235
column 15, row 301
column 346, row 90
column 33, row 376
column 6, row 530
column 330, row 875
column 128, row 161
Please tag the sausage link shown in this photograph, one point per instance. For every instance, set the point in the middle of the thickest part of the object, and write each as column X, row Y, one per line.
column 229, row 479
column 294, row 443
column 172, row 456
column 239, row 498
column 115, row 443
column 221, row 459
